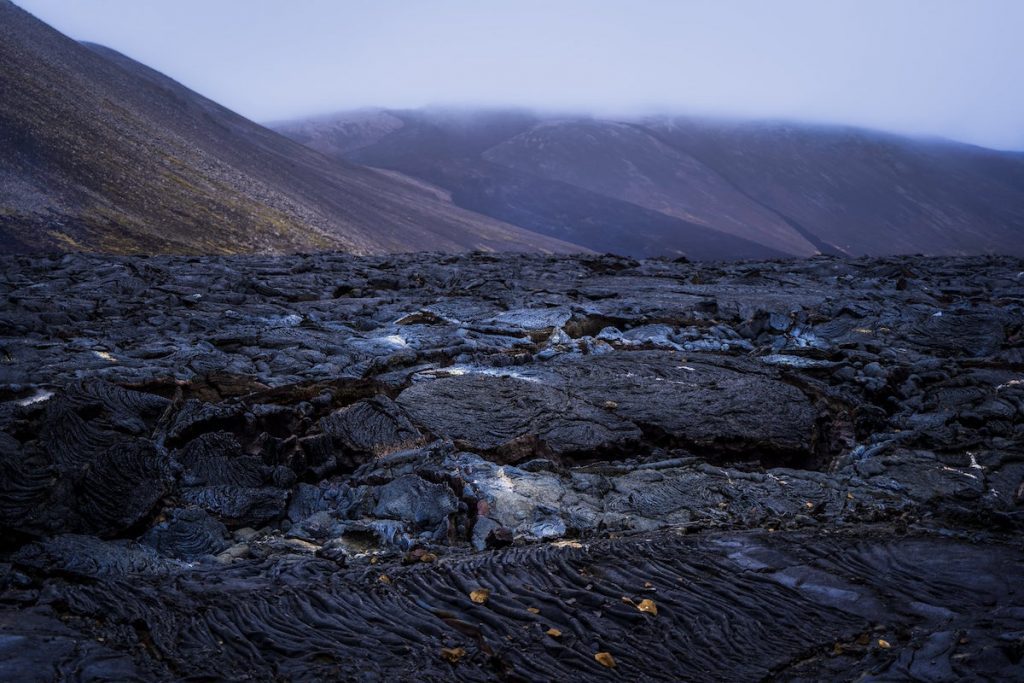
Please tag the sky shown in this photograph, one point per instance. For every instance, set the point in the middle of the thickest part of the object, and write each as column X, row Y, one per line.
column 950, row 68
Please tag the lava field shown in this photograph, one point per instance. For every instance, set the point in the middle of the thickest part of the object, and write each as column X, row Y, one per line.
column 511, row 467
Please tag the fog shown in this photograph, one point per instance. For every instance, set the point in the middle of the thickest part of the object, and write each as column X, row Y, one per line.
column 926, row 67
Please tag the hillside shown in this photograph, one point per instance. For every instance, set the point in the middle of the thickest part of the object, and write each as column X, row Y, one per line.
column 100, row 153
column 709, row 189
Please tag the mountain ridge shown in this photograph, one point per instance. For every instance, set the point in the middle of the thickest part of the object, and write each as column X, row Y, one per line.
column 101, row 153
column 791, row 189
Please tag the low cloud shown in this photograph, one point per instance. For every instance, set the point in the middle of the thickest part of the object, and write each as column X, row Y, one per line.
column 928, row 67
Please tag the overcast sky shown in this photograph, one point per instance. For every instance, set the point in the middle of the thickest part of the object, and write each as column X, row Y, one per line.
column 953, row 68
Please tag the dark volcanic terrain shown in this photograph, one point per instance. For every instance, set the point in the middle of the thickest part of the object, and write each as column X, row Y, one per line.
column 524, row 468
column 709, row 189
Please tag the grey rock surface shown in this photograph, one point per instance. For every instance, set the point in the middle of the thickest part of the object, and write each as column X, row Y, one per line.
column 301, row 467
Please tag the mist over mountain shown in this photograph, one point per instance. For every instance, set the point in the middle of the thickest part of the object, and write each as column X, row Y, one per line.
column 101, row 153
column 946, row 68
column 667, row 185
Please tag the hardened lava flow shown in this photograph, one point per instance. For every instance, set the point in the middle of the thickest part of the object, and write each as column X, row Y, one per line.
column 523, row 468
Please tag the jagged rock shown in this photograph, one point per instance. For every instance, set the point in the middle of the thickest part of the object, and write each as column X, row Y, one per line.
column 698, row 401
column 216, row 458
column 187, row 535
column 512, row 418
column 196, row 417
column 777, row 449
column 371, row 428
column 104, row 495
column 90, row 557
column 412, row 499
column 238, row 505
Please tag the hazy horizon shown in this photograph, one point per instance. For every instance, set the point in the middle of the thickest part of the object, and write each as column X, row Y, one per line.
column 929, row 68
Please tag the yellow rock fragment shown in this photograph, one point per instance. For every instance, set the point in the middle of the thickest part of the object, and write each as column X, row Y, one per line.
column 453, row 654
column 648, row 606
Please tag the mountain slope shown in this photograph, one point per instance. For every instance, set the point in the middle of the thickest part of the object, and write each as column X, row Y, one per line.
column 867, row 192
column 627, row 162
column 98, row 152
column 450, row 149
column 665, row 185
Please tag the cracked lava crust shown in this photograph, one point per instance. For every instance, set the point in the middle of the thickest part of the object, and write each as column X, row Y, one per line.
column 511, row 467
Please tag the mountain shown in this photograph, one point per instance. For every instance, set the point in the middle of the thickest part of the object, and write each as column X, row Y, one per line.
column 100, row 153
column 704, row 188
column 452, row 149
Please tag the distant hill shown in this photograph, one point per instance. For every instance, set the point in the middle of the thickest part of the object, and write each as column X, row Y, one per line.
column 703, row 188
column 100, row 153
